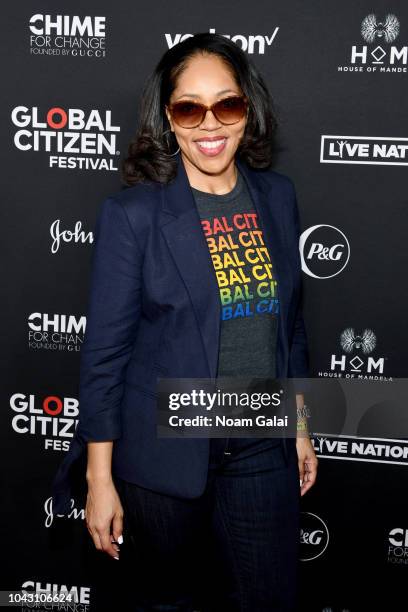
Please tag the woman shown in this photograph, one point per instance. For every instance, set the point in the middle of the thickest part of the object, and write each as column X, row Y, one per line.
column 175, row 293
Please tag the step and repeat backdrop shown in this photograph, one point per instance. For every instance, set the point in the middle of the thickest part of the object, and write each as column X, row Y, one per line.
column 72, row 77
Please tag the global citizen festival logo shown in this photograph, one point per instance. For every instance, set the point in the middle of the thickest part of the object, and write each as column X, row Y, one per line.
column 379, row 54
column 356, row 360
column 56, row 332
column 71, row 138
column 52, row 417
column 324, row 251
column 67, row 35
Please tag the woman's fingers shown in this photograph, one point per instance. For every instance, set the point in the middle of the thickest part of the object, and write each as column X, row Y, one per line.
column 104, row 541
column 95, row 537
column 117, row 527
column 307, row 464
column 309, row 475
column 104, row 519
column 107, row 545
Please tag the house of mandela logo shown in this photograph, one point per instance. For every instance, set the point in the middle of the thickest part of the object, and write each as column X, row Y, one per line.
column 379, row 54
column 356, row 360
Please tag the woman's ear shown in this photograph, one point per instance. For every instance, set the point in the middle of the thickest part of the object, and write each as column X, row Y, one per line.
column 169, row 117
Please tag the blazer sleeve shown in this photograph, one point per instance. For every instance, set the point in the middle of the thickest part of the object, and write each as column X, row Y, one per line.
column 298, row 343
column 112, row 319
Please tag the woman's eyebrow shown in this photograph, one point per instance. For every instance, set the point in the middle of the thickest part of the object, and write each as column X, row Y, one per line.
column 192, row 95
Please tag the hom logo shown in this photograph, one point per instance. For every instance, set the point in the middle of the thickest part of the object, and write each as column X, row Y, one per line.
column 351, row 341
column 364, row 344
column 379, row 54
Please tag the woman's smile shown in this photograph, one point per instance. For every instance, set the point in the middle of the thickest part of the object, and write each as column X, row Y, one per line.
column 211, row 146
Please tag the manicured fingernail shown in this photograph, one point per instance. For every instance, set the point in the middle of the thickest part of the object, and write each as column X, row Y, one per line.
column 116, row 558
column 120, row 539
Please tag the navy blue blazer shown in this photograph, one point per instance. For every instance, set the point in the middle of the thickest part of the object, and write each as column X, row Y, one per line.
column 154, row 310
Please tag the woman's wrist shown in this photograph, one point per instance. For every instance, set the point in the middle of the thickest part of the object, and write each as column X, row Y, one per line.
column 302, row 428
column 302, row 416
column 99, row 463
column 98, row 478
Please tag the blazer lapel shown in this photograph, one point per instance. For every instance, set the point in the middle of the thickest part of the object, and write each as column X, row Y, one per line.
column 181, row 227
column 270, row 214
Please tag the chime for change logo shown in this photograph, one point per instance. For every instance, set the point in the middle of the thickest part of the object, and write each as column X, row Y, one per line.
column 56, row 331
column 67, row 35
column 70, row 138
column 53, row 596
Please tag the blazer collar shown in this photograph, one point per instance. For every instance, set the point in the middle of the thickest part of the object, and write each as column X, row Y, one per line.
column 181, row 227
column 174, row 205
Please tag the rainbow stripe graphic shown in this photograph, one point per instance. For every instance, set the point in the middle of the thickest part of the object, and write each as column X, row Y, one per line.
column 242, row 265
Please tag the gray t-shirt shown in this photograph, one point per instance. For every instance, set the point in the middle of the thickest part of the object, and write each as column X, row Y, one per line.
column 246, row 280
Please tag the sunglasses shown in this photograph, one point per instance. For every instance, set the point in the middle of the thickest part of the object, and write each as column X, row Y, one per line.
column 228, row 111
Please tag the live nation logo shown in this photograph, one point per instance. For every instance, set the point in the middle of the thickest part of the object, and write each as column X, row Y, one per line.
column 357, row 358
column 372, row 150
column 67, row 35
column 378, row 54
column 367, row 449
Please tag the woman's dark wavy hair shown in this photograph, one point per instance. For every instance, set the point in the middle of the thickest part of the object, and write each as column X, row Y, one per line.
column 148, row 153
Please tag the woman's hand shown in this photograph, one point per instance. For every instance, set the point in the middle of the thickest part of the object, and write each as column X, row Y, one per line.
column 103, row 510
column 307, row 462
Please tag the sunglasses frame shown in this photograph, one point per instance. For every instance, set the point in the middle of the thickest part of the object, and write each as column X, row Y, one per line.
column 205, row 109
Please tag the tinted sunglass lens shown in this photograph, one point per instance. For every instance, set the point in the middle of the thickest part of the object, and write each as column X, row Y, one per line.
column 187, row 114
column 230, row 110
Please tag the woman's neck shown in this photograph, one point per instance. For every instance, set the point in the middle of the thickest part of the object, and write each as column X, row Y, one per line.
column 219, row 184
